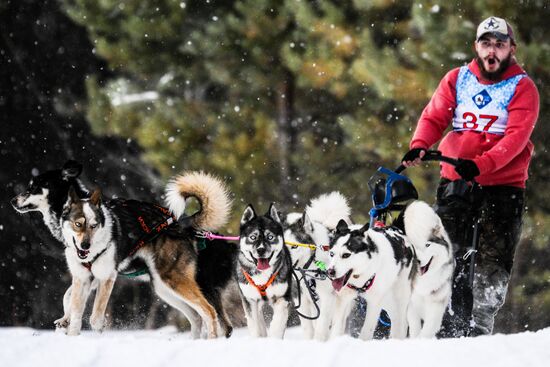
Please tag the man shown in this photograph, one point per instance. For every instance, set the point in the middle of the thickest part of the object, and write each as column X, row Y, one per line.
column 492, row 105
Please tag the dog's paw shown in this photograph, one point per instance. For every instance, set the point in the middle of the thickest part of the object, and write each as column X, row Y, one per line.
column 61, row 323
column 228, row 331
column 74, row 327
column 97, row 323
column 72, row 331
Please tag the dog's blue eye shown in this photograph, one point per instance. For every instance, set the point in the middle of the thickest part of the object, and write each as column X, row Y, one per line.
column 77, row 224
column 428, row 244
column 92, row 226
column 270, row 237
column 252, row 238
column 345, row 256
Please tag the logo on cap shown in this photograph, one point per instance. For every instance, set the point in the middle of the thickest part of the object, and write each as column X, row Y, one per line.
column 482, row 99
column 492, row 24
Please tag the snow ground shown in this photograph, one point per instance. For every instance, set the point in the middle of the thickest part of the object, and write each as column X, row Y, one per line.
column 166, row 347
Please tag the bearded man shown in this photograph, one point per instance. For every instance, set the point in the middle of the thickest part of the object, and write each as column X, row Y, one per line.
column 493, row 106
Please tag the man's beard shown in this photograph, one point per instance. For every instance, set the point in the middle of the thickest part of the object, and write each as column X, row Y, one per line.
column 494, row 75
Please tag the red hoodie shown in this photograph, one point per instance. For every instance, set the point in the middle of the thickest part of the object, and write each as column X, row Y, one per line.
column 501, row 159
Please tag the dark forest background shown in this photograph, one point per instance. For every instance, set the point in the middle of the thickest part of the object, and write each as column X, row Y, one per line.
column 283, row 99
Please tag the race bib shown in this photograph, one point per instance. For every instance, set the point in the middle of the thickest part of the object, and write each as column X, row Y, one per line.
column 481, row 107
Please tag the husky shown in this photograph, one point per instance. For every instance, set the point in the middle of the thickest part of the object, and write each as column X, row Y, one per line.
column 314, row 226
column 378, row 264
column 432, row 282
column 102, row 240
column 46, row 194
column 264, row 272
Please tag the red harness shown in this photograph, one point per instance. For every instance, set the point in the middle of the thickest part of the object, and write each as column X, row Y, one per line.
column 261, row 288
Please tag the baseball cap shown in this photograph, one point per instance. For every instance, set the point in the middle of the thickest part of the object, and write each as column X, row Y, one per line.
column 497, row 27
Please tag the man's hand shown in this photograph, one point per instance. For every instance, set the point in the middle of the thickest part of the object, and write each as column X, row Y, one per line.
column 413, row 157
column 467, row 169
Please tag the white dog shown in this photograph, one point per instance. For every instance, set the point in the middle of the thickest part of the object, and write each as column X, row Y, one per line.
column 432, row 280
column 377, row 264
column 313, row 227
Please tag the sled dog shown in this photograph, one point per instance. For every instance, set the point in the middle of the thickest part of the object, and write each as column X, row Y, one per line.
column 264, row 272
column 47, row 193
column 107, row 237
column 313, row 226
column 432, row 281
column 377, row 264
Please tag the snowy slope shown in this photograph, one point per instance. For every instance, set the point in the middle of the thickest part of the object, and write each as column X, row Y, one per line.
column 27, row 347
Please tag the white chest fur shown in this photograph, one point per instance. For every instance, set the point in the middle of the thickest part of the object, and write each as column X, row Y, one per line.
column 102, row 267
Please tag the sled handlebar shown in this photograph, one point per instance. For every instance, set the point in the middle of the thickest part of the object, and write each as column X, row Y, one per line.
column 432, row 155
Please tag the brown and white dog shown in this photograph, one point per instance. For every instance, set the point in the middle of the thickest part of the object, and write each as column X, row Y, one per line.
column 107, row 237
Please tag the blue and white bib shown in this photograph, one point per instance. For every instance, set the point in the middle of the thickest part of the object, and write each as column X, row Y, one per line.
column 482, row 107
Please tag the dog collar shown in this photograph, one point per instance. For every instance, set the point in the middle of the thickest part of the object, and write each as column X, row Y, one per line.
column 365, row 287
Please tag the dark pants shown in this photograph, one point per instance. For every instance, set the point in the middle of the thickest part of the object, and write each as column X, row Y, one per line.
column 498, row 211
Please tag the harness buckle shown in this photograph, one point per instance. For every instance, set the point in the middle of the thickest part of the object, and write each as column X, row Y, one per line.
column 201, row 234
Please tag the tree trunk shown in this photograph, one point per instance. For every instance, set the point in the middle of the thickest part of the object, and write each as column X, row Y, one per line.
column 286, row 134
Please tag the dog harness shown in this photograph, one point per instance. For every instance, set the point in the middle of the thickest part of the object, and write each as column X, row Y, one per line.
column 261, row 288
column 140, row 222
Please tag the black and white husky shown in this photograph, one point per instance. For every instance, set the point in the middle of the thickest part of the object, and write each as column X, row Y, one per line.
column 46, row 194
column 314, row 226
column 377, row 264
column 102, row 239
column 432, row 282
column 264, row 272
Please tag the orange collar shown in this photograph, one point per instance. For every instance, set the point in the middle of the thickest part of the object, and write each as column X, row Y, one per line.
column 261, row 288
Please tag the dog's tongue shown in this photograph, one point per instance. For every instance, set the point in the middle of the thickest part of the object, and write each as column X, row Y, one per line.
column 262, row 264
column 337, row 284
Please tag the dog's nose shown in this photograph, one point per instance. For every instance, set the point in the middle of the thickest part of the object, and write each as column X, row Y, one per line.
column 331, row 272
column 85, row 245
column 261, row 251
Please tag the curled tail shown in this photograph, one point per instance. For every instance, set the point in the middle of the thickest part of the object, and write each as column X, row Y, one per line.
column 422, row 224
column 329, row 209
column 211, row 193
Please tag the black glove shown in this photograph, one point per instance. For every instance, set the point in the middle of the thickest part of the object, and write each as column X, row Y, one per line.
column 467, row 169
column 412, row 154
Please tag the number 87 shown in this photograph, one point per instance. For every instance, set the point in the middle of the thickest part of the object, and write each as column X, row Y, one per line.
column 471, row 121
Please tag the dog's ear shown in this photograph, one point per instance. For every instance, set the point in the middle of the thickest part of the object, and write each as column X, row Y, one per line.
column 95, row 199
column 73, row 196
column 272, row 213
column 71, row 169
column 248, row 215
column 282, row 216
column 365, row 228
column 342, row 226
column 307, row 224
